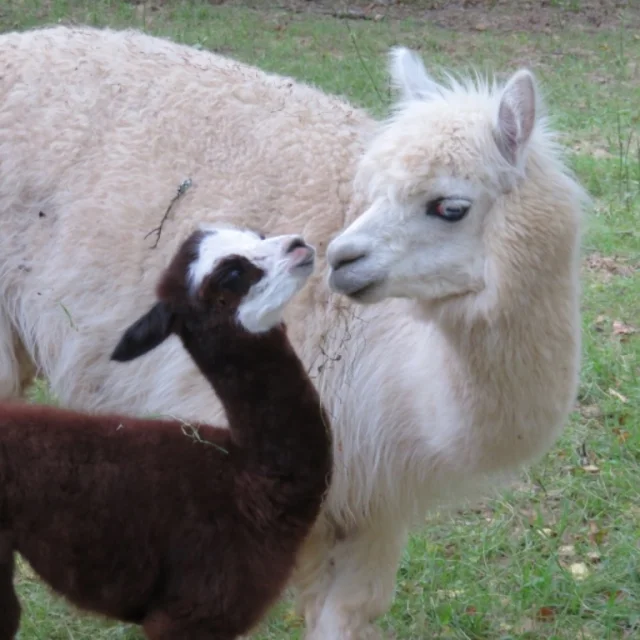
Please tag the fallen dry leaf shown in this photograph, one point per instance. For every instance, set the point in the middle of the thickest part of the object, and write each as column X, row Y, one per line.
column 546, row 614
column 598, row 325
column 579, row 570
column 449, row 593
column 567, row 550
column 591, row 411
column 618, row 395
column 593, row 557
column 586, row 467
column 623, row 435
column 591, row 468
column 596, row 535
column 623, row 331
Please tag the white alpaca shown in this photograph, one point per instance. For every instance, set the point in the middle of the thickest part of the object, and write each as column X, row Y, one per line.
column 461, row 210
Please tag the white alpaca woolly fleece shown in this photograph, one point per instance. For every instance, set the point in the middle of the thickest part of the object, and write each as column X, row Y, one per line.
column 464, row 369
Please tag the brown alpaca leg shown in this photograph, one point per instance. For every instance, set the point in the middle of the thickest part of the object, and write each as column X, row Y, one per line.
column 9, row 605
column 161, row 626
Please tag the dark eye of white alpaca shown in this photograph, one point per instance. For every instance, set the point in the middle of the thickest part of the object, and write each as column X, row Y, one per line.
column 449, row 209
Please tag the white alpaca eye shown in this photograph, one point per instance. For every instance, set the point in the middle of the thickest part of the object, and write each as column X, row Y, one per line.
column 449, row 209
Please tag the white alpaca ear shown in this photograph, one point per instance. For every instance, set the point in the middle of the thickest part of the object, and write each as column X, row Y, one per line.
column 516, row 116
column 409, row 76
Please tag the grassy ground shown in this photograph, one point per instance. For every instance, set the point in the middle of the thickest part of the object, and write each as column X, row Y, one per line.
column 558, row 555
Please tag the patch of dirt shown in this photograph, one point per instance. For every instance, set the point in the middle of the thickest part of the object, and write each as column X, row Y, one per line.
column 469, row 15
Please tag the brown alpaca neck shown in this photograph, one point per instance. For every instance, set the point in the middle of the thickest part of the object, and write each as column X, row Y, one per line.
column 273, row 409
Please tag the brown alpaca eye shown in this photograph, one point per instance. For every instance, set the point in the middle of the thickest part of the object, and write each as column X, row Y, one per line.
column 232, row 280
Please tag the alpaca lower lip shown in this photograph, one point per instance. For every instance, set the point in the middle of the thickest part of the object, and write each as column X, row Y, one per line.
column 348, row 282
column 361, row 294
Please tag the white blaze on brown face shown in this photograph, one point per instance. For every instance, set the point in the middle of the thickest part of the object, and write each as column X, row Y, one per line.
column 285, row 261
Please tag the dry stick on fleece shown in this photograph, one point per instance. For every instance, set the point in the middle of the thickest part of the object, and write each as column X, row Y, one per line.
column 138, row 520
column 182, row 189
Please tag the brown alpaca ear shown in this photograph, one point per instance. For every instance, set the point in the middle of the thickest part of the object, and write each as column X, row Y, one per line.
column 145, row 334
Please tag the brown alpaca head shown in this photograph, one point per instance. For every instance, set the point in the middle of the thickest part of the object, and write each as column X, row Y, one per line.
column 221, row 276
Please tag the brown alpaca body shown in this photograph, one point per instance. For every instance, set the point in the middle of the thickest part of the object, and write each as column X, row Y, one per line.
column 191, row 531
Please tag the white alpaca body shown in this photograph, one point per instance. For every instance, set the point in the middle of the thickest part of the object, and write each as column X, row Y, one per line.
column 429, row 401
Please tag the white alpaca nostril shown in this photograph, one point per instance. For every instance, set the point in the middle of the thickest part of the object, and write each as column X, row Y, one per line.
column 349, row 258
column 343, row 252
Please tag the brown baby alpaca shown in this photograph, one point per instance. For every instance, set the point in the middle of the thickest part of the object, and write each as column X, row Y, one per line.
column 191, row 531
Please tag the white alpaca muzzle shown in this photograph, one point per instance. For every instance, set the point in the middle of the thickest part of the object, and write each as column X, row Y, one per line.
column 354, row 271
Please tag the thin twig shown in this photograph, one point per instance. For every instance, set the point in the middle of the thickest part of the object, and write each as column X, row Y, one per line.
column 182, row 189
column 193, row 432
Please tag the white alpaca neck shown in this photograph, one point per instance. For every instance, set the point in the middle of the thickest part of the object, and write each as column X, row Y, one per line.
column 509, row 380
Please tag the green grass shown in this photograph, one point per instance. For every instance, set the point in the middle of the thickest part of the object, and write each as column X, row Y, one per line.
column 558, row 555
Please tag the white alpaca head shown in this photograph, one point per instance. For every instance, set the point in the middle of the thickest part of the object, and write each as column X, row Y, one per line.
column 429, row 181
column 265, row 272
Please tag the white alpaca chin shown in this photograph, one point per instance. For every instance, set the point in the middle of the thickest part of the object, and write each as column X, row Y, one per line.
column 264, row 305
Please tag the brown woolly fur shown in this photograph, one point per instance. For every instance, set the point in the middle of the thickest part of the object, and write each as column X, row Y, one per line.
column 189, row 530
